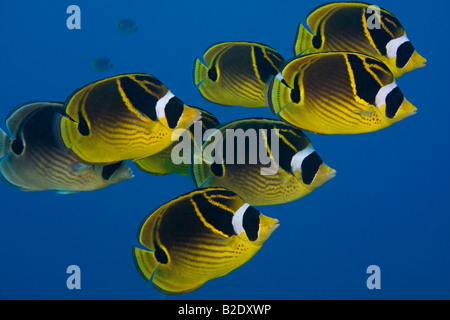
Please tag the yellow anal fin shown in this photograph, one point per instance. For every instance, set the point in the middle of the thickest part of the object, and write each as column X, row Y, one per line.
column 169, row 287
column 145, row 262
column 303, row 40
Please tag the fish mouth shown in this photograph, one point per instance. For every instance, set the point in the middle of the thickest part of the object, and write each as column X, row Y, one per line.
column 411, row 113
column 273, row 228
column 330, row 175
column 422, row 65
column 198, row 117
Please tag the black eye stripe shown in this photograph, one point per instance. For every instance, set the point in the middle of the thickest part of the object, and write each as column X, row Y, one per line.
column 173, row 111
column 394, row 100
column 404, row 53
column 310, row 167
column 250, row 223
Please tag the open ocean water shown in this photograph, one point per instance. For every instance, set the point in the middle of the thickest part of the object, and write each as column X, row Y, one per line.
column 387, row 206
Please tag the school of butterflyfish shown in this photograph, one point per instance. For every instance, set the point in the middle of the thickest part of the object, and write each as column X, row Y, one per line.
column 340, row 81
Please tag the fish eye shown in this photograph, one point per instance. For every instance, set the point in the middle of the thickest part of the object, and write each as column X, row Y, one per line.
column 394, row 100
column 212, row 74
column 83, row 127
column 310, row 167
column 404, row 53
column 17, row 146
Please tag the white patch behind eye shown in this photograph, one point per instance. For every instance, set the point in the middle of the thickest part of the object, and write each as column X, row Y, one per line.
column 238, row 217
column 380, row 99
column 392, row 46
column 161, row 104
column 297, row 159
column 279, row 76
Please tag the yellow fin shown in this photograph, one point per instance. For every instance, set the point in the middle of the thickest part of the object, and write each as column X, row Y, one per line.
column 365, row 113
column 145, row 262
column 5, row 144
column 303, row 40
column 200, row 72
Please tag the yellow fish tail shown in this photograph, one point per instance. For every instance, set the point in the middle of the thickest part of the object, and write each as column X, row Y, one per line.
column 202, row 81
column 64, row 132
column 200, row 72
column 161, row 164
column 276, row 95
column 145, row 262
column 5, row 144
column 303, row 40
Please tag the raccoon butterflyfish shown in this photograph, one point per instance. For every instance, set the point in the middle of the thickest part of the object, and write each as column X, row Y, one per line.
column 163, row 163
column 359, row 27
column 236, row 73
column 264, row 161
column 33, row 159
column 101, row 64
column 128, row 116
column 197, row 237
column 126, row 25
column 338, row 93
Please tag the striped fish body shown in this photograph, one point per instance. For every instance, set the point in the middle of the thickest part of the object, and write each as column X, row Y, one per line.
column 161, row 163
column 37, row 162
column 359, row 27
column 236, row 73
column 273, row 163
column 223, row 233
column 338, row 93
column 128, row 116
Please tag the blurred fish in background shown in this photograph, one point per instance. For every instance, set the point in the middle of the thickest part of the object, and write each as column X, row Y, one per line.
column 101, row 64
column 34, row 160
column 126, row 25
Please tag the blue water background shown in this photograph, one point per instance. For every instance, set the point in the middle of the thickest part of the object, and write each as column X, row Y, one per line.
column 387, row 206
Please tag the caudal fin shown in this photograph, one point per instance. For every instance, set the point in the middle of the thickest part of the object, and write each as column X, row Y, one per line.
column 200, row 72
column 303, row 40
column 145, row 262
column 5, row 144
